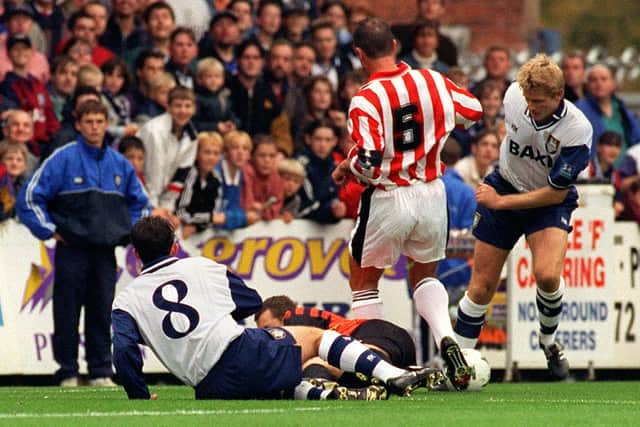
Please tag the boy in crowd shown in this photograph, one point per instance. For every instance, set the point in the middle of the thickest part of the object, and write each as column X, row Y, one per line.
column 292, row 174
column 199, row 205
column 237, row 200
column 212, row 98
column 262, row 177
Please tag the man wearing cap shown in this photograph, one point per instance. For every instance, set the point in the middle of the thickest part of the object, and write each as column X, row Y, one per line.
column 220, row 43
column 19, row 20
column 26, row 92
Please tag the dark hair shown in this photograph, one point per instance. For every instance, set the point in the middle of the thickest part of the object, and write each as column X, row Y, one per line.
column 130, row 142
column 156, row 6
column 278, row 305
column 374, row 37
column 263, row 139
column 183, row 30
column 451, row 152
column 61, row 61
column 247, row 44
column 425, row 23
column 321, row 24
column 81, row 14
column 610, row 138
column 71, row 43
column 114, row 64
column 330, row 3
column 152, row 237
column 265, row 3
column 80, row 91
column 91, row 107
column 146, row 54
column 233, row 3
column 181, row 92
column 324, row 122
column 480, row 135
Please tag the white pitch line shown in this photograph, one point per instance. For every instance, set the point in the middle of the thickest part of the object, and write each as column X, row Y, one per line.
column 194, row 412
column 562, row 401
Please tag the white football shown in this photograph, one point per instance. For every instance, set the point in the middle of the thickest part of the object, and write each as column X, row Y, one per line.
column 482, row 369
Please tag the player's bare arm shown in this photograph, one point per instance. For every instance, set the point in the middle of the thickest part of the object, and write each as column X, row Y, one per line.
column 487, row 196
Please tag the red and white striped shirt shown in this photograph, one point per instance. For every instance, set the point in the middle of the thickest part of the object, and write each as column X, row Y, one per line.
column 400, row 120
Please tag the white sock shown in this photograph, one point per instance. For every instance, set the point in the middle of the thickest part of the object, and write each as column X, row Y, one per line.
column 352, row 356
column 432, row 303
column 366, row 304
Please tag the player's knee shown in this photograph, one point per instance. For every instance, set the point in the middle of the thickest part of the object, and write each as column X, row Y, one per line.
column 547, row 282
column 480, row 292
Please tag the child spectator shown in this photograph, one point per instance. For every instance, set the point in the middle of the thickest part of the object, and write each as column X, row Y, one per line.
column 601, row 167
column 485, row 150
column 14, row 157
column 90, row 75
column 292, row 174
column 63, row 83
column 157, row 101
column 132, row 148
column 115, row 95
column 424, row 43
column 170, row 144
column 458, row 76
column 319, row 193
column 22, row 89
column 349, row 84
column 213, row 111
column 200, row 203
column 236, row 199
column 262, row 177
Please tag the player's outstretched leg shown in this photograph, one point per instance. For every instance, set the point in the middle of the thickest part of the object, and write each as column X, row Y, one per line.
column 352, row 356
column 457, row 369
column 321, row 389
column 556, row 360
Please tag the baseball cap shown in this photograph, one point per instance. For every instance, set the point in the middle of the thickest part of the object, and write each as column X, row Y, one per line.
column 18, row 38
column 221, row 15
column 20, row 9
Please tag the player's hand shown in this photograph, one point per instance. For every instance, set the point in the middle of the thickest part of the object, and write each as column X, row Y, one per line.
column 487, row 196
column 342, row 172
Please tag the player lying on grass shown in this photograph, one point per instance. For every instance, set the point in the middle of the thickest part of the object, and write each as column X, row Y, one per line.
column 391, row 342
column 186, row 311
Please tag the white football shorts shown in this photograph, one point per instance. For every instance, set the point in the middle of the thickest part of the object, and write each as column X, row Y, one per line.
column 411, row 220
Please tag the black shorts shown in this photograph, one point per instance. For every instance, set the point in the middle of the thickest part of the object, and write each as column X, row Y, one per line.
column 393, row 339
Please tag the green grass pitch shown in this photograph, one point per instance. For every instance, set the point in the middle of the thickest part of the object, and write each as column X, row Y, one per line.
column 517, row 404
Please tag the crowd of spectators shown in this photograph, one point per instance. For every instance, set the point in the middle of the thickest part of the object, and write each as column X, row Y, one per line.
column 237, row 112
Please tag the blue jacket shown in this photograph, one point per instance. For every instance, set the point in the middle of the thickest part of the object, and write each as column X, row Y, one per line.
column 90, row 196
column 318, row 192
column 461, row 202
column 589, row 106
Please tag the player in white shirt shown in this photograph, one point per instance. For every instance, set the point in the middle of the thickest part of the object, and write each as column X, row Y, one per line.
column 547, row 145
column 186, row 311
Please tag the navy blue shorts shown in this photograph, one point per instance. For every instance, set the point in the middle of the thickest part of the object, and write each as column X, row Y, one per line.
column 503, row 228
column 259, row 364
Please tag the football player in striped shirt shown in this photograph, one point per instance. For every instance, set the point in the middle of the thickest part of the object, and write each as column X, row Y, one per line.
column 399, row 121
column 532, row 194
column 186, row 311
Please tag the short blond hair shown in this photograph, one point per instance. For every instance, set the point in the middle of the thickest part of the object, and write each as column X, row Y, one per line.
column 237, row 137
column 7, row 147
column 292, row 167
column 90, row 75
column 210, row 138
column 163, row 80
column 540, row 73
column 209, row 64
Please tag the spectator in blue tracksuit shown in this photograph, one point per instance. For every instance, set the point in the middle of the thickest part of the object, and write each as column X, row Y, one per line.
column 86, row 196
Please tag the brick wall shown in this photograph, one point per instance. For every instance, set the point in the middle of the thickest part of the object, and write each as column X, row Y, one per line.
column 503, row 22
